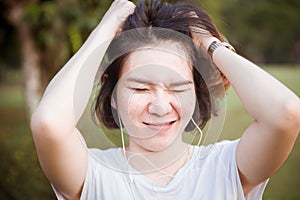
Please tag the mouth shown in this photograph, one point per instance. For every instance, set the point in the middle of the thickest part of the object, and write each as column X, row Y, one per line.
column 160, row 126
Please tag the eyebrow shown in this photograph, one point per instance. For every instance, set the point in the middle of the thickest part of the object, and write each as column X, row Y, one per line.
column 174, row 84
column 180, row 83
column 138, row 80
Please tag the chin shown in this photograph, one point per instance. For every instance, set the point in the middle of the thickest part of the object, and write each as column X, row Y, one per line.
column 157, row 144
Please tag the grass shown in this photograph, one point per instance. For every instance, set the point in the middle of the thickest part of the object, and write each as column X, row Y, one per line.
column 21, row 176
column 285, row 183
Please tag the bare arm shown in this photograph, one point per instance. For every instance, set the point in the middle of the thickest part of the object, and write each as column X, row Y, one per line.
column 268, row 141
column 62, row 155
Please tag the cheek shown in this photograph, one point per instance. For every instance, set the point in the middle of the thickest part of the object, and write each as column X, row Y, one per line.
column 132, row 105
column 137, row 104
column 186, row 104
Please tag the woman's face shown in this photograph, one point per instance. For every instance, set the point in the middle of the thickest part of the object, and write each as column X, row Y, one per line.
column 155, row 98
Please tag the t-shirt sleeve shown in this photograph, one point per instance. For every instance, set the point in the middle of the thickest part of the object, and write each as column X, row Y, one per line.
column 58, row 195
column 228, row 154
column 89, row 185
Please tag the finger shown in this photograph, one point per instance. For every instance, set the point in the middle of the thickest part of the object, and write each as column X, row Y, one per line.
column 126, row 7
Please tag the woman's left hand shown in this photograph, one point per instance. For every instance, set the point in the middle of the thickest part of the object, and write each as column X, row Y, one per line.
column 202, row 37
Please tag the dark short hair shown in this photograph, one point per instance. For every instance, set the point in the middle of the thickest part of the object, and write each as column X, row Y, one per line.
column 155, row 22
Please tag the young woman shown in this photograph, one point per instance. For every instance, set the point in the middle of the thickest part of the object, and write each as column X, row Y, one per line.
column 157, row 83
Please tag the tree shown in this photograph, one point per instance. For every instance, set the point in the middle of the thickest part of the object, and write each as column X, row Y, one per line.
column 267, row 31
column 30, row 55
column 49, row 32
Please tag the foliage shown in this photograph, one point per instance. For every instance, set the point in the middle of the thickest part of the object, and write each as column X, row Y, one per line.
column 60, row 27
column 267, row 31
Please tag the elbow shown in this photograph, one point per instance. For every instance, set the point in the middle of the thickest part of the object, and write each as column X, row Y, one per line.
column 44, row 125
column 290, row 117
column 40, row 123
column 51, row 123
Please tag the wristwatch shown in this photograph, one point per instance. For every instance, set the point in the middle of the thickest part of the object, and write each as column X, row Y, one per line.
column 215, row 44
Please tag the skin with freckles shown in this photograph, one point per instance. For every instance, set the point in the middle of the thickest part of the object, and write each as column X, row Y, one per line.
column 154, row 98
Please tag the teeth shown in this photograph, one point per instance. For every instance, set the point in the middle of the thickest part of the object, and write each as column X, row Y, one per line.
column 159, row 124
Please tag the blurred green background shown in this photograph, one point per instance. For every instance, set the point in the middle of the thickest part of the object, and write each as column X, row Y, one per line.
column 37, row 38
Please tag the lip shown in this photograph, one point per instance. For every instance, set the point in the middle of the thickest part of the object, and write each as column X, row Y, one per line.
column 160, row 126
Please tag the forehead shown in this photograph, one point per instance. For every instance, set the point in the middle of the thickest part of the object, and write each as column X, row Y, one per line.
column 160, row 63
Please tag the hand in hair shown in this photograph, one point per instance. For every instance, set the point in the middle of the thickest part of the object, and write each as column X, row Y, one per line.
column 117, row 14
column 202, row 38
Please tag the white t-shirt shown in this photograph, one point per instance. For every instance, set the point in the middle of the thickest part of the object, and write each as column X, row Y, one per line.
column 213, row 177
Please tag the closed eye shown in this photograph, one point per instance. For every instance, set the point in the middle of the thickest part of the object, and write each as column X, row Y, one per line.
column 140, row 89
column 181, row 86
column 179, row 90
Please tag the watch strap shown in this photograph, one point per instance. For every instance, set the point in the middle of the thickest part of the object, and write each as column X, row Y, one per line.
column 215, row 44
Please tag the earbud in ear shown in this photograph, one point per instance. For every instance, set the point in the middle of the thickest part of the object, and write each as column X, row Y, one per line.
column 113, row 103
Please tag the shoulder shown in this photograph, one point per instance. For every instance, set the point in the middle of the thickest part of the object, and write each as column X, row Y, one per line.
column 109, row 158
column 217, row 162
column 227, row 143
column 221, row 149
column 98, row 153
column 105, row 171
column 219, row 157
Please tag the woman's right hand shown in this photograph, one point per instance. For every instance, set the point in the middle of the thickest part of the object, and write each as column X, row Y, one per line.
column 58, row 142
column 116, row 15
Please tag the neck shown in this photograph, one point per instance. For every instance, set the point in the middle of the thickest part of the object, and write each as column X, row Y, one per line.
column 160, row 167
column 145, row 161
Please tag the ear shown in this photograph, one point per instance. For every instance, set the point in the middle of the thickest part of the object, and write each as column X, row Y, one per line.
column 113, row 103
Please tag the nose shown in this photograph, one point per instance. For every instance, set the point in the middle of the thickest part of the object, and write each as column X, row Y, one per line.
column 160, row 104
